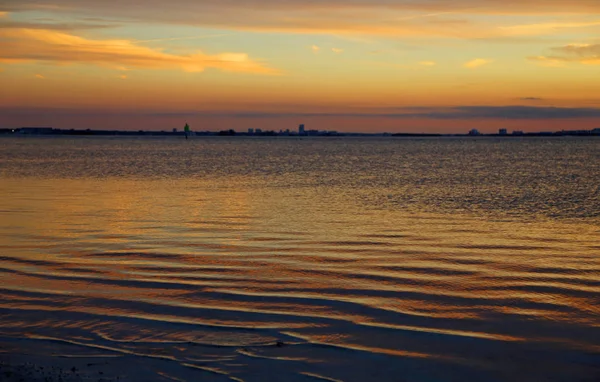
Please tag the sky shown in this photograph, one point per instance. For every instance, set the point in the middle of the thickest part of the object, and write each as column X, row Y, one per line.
column 433, row 66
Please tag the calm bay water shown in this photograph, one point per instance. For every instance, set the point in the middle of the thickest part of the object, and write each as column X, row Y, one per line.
column 340, row 259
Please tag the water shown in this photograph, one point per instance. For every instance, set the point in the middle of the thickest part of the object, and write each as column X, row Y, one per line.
column 340, row 259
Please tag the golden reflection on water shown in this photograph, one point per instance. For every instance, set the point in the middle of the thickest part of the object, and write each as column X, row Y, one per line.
column 308, row 263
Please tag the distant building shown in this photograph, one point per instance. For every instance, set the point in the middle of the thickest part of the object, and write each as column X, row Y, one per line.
column 251, row 131
column 474, row 132
column 503, row 132
column 258, row 131
column 596, row 131
column 517, row 132
column 174, row 130
column 301, row 129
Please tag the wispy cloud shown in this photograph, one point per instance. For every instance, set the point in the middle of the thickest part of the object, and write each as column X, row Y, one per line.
column 315, row 49
column 549, row 62
column 184, row 38
column 430, row 18
column 123, row 77
column 337, row 50
column 531, row 99
column 428, row 8
column 59, row 26
column 476, row 63
column 545, row 28
column 3, row 14
column 452, row 113
column 51, row 46
column 427, row 63
column 39, row 76
column 517, row 112
column 587, row 54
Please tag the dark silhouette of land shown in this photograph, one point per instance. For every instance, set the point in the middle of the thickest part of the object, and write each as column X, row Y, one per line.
column 271, row 133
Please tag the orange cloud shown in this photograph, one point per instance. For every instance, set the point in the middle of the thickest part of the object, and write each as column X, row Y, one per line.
column 547, row 61
column 587, row 54
column 39, row 76
column 337, row 50
column 476, row 63
column 47, row 45
column 315, row 49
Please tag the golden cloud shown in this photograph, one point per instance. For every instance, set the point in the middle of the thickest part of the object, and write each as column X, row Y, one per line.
column 476, row 63
column 547, row 61
column 545, row 28
column 53, row 46
column 337, row 50
column 587, row 54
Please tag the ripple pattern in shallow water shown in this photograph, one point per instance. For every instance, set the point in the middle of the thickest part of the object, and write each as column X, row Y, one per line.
column 238, row 278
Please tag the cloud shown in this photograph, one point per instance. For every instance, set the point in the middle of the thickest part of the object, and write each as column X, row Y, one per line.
column 3, row 14
column 531, row 99
column 315, row 49
column 35, row 45
column 185, row 38
column 427, row 63
column 476, row 63
column 337, row 50
column 545, row 28
column 587, row 54
column 547, row 61
column 449, row 113
column 409, row 18
column 123, row 77
column 429, row 7
column 516, row 112
column 10, row 24
column 39, row 76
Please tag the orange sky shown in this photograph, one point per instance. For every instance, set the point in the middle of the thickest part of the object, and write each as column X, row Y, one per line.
column 383, row 65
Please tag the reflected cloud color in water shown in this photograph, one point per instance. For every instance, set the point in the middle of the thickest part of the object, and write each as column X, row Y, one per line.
column 340, row 259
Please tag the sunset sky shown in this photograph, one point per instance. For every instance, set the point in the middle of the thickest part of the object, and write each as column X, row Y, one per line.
column 346, row 65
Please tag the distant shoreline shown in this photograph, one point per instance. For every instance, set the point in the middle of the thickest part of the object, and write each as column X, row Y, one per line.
column 48, row 131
